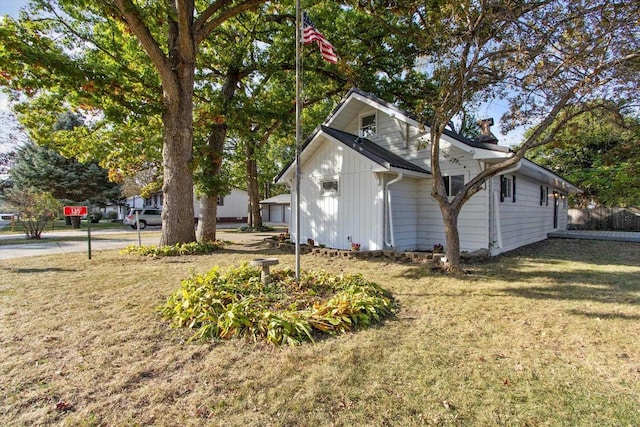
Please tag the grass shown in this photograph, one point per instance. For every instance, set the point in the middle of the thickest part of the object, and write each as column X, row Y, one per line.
column 547, row 335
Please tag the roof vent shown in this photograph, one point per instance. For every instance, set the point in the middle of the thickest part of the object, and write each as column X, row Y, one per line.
column 485, row 132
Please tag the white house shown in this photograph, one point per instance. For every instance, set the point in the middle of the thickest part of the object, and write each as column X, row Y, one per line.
column 365, row 179
column 233, row 207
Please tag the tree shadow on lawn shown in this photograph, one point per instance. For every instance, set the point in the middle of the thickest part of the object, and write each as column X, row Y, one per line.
column 546, row 271
column 39, row 270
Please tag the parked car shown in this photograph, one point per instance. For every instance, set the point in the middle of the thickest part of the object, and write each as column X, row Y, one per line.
column 7, row 219
column 146, row 217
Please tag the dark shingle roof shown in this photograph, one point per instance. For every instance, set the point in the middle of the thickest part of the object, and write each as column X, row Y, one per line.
column 449, row 133
column 363, row 146
column 372, row 151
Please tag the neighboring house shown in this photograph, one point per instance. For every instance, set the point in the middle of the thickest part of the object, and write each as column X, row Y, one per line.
column 365, row 180
column 277, row 209
column 232, row 207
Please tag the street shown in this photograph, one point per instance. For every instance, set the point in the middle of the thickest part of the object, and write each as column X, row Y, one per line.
column 101, row 240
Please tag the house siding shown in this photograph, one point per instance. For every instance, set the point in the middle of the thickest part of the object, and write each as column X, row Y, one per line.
column 405, row 200
column 472, row 222
column 330, row 220
column 235, row 206
column 525, row 221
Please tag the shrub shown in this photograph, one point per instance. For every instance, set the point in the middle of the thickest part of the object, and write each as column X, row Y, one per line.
column 193, row 248
column 285, row 311
column 261, row 229
column 96, row 215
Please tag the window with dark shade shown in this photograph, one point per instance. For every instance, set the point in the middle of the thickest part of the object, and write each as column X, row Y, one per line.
column 330, row 187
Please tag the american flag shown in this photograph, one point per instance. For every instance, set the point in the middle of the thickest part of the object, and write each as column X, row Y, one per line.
column 310, row 35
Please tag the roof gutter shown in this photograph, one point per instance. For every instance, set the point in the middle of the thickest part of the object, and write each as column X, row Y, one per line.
column 390, row 242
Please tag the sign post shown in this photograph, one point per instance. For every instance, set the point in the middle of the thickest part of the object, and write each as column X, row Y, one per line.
column 80, row 211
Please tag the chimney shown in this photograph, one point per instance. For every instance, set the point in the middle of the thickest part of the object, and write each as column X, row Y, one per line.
column 485, row 132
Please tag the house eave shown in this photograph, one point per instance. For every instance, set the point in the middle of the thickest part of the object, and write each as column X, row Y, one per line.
column 389, row 109
column 542, row 174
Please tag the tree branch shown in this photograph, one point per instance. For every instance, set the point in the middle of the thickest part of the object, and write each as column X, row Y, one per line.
column 129, row 15
column 205, row 25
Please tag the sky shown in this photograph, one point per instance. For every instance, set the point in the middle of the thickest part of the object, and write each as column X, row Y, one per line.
column 11, row 7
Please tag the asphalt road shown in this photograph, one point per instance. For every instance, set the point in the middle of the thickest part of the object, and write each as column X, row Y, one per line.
column 101, row 240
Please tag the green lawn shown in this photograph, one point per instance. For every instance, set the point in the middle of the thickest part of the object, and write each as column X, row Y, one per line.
column 547, row 335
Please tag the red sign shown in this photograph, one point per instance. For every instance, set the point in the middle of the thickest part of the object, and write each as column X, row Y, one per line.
column 75, row 210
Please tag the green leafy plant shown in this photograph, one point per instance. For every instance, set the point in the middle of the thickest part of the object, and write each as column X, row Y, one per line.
column 285, row 311
column 193, row 248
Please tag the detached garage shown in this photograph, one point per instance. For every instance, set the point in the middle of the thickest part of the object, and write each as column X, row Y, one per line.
column 276, row 209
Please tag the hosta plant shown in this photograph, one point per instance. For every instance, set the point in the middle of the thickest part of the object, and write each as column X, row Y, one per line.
column 193, row 248
column 235, row 303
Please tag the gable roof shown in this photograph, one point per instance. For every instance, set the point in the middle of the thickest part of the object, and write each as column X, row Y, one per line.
column 395, row 111
column 363, row 146
column 373, row 151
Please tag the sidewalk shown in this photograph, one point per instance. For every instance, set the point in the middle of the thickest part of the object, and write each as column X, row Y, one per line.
column 617, row 236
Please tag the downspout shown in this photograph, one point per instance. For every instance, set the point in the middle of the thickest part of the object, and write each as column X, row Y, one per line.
column 390, row 243
column 496, row 204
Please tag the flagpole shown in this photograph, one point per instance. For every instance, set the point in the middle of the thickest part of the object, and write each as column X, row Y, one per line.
column 298, row 131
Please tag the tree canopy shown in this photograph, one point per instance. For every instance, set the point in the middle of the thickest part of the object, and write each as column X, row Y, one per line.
column 600, row 153
column 67, row 180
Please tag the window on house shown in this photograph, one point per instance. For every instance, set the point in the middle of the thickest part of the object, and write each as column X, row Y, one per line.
column 330, row 187
column 368, row 126
column 544, row 195
column 220, row 201
column 453, row 184
column 507, row 188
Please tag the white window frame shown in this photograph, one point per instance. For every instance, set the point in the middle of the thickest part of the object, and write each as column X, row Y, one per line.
column 329, row 192
column 447, row 180
column 361, row 129
column 508, row 183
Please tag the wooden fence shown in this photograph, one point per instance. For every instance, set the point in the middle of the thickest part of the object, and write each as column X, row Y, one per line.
column 615, row 219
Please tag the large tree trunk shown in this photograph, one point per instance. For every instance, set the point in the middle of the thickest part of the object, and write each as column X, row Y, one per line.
column 212, row 162
column 452, row 248
column 206, row 231
column 255, row 219
column 209, row 202
column 177, row 149
column 177, row 208
column 449, row 210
